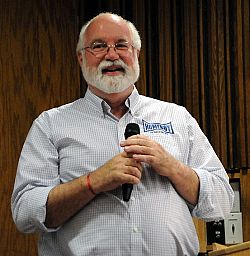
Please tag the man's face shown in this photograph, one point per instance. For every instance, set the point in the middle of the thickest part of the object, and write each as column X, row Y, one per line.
column 110, row 71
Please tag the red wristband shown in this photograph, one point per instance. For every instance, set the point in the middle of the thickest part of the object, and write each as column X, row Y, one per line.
column 89, row 185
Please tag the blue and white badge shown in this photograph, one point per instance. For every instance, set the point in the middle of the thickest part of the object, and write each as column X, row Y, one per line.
column 158, row 127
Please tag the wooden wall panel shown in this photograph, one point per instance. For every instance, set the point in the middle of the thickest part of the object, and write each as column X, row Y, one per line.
column 246, row 73
column 239, row 83
column 139, row 18
column 245, row 203
column 38, row 70
column 216, row 78
column 164, row 51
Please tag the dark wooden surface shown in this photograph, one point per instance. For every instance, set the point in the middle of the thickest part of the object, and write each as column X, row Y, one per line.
column 38, row 70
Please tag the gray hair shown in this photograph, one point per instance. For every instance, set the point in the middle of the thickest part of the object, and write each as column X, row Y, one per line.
column 136, row 40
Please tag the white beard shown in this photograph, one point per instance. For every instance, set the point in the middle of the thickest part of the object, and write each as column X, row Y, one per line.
column 111, row 84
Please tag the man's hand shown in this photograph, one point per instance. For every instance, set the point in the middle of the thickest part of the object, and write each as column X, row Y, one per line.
column 121, row 169
column 184, row 178
column 144, row 149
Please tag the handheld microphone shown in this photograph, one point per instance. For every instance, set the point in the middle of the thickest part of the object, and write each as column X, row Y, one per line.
column 131, row 129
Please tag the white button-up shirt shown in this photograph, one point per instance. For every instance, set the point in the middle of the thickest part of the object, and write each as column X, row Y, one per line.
column 72, row 140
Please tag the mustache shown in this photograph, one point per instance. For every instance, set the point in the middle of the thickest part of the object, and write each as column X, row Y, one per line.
column 108, row 63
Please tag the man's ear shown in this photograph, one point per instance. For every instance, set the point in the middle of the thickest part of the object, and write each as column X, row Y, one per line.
column 138, row 53
column 80, row 57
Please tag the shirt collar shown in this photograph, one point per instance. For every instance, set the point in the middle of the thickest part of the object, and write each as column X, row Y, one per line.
column 101, row 105
column 132, row 101
column 93, row 99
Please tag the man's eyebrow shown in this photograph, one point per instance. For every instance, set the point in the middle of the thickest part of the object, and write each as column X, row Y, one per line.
column 97, row 40
column 122, row 40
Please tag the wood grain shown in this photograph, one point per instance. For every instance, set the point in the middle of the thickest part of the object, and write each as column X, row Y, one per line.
column 38, row 70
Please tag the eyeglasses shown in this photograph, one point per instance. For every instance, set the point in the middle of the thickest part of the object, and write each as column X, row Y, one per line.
column 99, row 49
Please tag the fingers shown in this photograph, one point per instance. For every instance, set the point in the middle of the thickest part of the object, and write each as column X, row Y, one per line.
column 145, row 150
column 136, row 140
column 139, row 144
column 132, row 171
column 130, row 162
column 117, row 171
column 132, row 168
column 137, row 149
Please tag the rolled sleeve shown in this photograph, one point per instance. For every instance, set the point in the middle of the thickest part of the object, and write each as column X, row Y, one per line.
column 37, row 174
column 215, row 196
column 215, row 193
column 29, row 212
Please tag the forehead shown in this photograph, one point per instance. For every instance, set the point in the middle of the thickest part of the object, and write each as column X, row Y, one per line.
column 107, row 28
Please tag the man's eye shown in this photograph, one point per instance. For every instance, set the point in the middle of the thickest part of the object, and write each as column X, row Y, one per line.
column 98, row 46
column 121, row 46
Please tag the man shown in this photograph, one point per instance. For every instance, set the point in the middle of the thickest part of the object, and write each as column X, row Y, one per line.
column 75, row 160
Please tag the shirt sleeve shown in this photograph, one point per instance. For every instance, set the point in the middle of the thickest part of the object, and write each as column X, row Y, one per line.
column 215, row 194
column 37, row 174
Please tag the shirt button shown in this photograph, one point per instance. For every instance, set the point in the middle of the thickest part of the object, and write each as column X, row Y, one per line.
column 132, row 198
column 135, row 230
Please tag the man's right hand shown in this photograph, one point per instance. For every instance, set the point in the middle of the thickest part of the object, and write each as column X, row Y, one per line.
column 67, row 199
column 119, row 170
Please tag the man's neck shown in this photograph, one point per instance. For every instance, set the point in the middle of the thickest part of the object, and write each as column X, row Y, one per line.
column 115, row 100
column 119, row 111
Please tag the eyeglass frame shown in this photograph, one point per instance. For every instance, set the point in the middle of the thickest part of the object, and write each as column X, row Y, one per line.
column 107, row 48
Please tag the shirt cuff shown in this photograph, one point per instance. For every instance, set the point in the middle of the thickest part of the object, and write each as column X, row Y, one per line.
column 37, row 206
column 208, row 207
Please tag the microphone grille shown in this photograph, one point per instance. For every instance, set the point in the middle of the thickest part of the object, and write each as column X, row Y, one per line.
column 131, row 129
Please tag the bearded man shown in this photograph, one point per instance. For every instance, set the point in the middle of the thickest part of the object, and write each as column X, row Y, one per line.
column 76, row 160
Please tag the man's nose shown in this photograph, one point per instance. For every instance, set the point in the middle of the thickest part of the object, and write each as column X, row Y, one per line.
column 111, row 53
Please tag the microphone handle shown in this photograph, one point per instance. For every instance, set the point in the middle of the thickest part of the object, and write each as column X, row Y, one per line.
column 126, row 191
column 131, row 129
